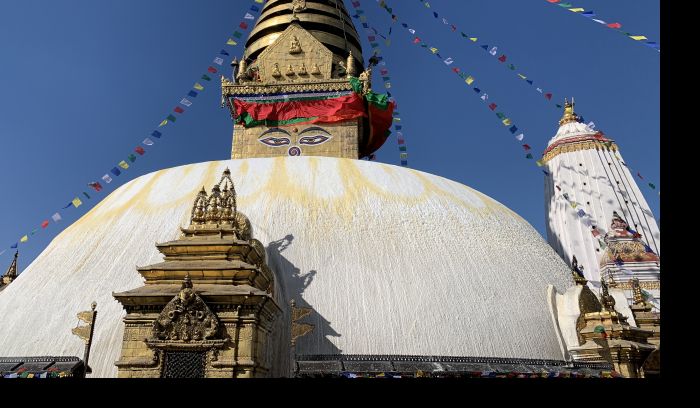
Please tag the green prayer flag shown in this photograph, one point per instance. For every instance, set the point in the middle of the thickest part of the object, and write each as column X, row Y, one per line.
column 652, row 186
column 206, row 77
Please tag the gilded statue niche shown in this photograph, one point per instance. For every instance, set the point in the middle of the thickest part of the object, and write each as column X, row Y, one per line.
column 295, row 50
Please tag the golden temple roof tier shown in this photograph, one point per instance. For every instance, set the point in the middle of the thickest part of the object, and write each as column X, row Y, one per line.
column 327, row 20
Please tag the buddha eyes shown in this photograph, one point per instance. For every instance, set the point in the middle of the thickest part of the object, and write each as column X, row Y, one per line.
column 276, row 141
column 313, row 140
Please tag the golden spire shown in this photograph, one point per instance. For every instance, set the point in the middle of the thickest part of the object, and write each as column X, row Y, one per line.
column 328, row 21
column 607, row 300
column 217, row 208
column 577, row 272
column 12, row 270
column 637, row 292
column 569, row 114
column 11, row 273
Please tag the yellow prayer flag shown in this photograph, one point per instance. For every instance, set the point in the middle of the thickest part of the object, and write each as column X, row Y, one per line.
column 473, row 39
column 124, row 165
column 469, row 80
column 638, row 37
column 507, row 122
column 434, row 50
column 576, row 10
column 24, row 239
column 539, row 163
column 76, row 202
column 258, row 1
column 404, row 155
column 198, row 86
column 231, row 42
column 163, row 123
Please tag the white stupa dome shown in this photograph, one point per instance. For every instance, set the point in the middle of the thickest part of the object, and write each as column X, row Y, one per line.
column 392, row 261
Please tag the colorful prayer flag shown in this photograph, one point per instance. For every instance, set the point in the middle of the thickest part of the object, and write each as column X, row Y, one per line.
column 249, row 16
column 231, row 42
column 212, row 70
column 45, row 224
column 147, row 142
column 614, row 25
column 224, row 52
column 493, row 106
column 529, row 156
column 13, row 246
column 206, row 77
column 243, row 25
column 198, row 86
column 95, row 185
column 76, row 202
column 186, row 102
column 24, row 239
column 86, row 195
column 520, row 137
column 132, row 158
column 107, row 179
column 502, row 58
column 139, row 150
column 469, row 80
column 56, row 217
column 116, row 171
column 527, row 147
column 192, row 94
column 179, row 109
column 124, row 165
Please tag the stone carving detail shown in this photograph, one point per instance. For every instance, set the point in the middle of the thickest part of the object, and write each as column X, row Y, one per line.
column 295, row 47
column 186, row 318
column 315, row 70
column 276, row 70
column 302, row 69
column 298, row 6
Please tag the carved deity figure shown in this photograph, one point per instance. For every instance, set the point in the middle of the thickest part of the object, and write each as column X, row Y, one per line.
column 315, row 70
column 290, row 70
column 302, row 69
column 298, row 6
column 276, row 70
column 295, row 46
column 366, row 78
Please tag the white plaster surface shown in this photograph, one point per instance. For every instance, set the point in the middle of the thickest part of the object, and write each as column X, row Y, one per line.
column 392, row 260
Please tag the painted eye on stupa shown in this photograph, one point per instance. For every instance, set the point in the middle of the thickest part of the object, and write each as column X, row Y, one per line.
column 314, row 136
column 275, row 141
column 313, row 140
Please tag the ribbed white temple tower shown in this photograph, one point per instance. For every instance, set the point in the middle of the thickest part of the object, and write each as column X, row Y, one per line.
column 587, row 187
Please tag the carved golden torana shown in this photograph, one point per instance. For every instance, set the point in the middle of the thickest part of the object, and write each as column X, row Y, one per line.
column 209, row 303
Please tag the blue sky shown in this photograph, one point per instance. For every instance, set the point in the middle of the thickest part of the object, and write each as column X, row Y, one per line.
column 85, row 81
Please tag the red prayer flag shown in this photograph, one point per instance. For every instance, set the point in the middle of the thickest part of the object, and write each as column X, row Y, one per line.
column 212, row 70
column 615, row 25
column 139, row 150
column 95, row 185
column 178, row 109
column 416, row 40
column 502, row 58
column 553, row 1
column 527, row 147
column 45, row 224
column 243, row 25
column 548, row 96
column 493, row 106
column 455, row 70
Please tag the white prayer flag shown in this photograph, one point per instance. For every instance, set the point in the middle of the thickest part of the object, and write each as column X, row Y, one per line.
column 493, row 51
column 107, row 179
column 218, row 60
column 56, row 217
column 591, row 125
column 448, row 61
column 186, row 102
column 147, row 141
column 484, row 97
column 249, row 16
column 520, row 137
column 539, row 90
column 412, row 31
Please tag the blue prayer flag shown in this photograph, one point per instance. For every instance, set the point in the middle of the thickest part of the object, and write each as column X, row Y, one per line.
column 114, row 171
column 513, row 129
column 223, row 52
column 14, row 246
column 193, row 94
column 156, row 134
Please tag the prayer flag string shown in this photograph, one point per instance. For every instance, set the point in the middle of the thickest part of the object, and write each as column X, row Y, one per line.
column 171, row 118
column 385, row 75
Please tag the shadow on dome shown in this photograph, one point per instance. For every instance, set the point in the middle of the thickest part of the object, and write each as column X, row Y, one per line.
column 293, row 284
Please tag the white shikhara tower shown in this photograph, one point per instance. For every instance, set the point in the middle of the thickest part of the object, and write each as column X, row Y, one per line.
column 588, row 190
